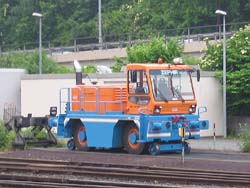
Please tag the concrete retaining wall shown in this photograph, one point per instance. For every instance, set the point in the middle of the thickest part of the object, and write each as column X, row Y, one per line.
column 10, row 93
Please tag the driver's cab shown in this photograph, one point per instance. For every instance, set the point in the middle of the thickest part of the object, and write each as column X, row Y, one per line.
column 160, row 89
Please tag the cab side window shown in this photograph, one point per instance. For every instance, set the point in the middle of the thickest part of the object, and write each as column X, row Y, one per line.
column 138, row 87
column 138, row 82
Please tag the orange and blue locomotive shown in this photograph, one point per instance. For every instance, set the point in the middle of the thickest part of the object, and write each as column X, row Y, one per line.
column 144, row 114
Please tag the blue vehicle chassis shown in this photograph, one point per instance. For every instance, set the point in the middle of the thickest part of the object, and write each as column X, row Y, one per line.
column 160, row 132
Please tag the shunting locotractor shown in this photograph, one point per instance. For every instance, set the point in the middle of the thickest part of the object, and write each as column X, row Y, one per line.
column 144, row 114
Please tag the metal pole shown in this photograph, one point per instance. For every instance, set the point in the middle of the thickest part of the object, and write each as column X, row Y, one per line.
column 100, row 22
column 183, row 149
column 40, row 45
column 224, row 77
column 220, row 31
column 214, row 137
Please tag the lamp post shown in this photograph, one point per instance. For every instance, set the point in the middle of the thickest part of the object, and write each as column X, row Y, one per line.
column 223, row 13
column 40, row 39
column 100, row 22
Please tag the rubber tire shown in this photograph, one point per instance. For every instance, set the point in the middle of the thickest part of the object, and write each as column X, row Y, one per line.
column 80, row 145
column 137, row 148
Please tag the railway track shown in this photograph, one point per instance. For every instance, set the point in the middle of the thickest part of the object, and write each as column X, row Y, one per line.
column 79, row 174
column 59, row 183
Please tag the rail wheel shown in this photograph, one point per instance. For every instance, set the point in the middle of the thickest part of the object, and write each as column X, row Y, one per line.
column 71, row 145
column 80, row 137
column 187, row 148
column 154, row 149
column 130, row 139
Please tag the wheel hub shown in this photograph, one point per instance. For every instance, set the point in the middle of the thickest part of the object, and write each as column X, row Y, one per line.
column 82, row 136
column 132, row 138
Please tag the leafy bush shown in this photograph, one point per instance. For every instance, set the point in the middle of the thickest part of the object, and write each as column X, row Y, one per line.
column 191, row 60
column 149, row 52
column 238, row 65
column 212, row 61
column 41, row 134
column 245, row 138
column 89, row 69
column 34, row 132
column 119, row 63
column 29, row 61
column 6, row 137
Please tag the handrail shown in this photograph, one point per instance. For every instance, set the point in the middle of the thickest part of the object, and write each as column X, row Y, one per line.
column 61, row 101
column 67, row 100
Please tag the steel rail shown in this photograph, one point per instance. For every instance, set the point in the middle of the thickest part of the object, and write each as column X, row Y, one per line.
column 77, row 164
column 116, row 168
column 133, row 174
column 48, row 182
column 125, row 171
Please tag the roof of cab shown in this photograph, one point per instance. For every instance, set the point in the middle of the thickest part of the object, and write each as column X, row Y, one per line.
column 147, row 66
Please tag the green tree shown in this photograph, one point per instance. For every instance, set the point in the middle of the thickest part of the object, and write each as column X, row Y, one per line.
column 64, row 20
column 138, row 19
column 238, row 66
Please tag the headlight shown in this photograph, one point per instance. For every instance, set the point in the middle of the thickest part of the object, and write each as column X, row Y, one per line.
column 192, row 108
column 157, row 109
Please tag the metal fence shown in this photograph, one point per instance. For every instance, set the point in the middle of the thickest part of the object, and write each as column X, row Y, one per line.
column 184, row 35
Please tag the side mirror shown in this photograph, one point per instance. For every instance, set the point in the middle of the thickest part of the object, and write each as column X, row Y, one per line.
column 198, row 75
column 202, row 110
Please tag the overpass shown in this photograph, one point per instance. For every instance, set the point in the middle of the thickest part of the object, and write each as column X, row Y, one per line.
column 90, row 53
column 87, row 52
column 105, row 56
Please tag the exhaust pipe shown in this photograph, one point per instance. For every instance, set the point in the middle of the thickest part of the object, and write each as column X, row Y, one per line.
column 78, row 70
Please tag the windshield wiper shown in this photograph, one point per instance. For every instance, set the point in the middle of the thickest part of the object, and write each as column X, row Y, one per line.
column 171, row 84
column 177, row 93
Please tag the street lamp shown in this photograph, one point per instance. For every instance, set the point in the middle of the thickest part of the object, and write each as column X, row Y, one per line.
column 40, row 39
column 100, row 22
column 223, row 13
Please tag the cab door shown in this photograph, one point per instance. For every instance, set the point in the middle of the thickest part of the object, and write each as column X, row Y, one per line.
column 138, row 92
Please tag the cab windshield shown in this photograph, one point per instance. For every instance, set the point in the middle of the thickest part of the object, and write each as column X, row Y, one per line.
column 171, row 85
